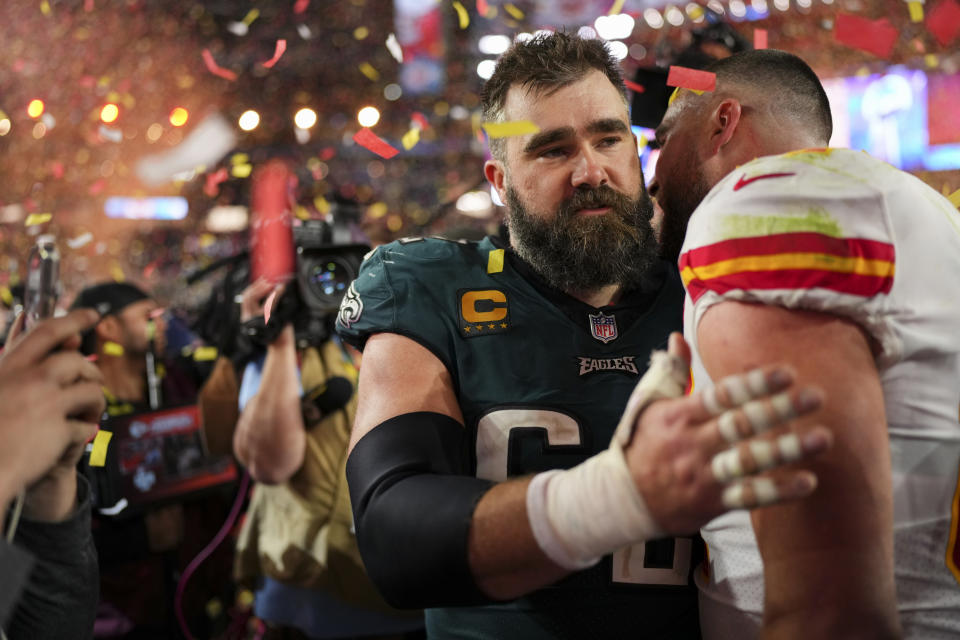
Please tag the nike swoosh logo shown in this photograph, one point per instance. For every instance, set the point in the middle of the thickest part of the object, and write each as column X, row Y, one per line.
column 744, row 180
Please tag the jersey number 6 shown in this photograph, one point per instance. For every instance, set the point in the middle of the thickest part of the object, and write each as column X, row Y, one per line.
column 659, row 562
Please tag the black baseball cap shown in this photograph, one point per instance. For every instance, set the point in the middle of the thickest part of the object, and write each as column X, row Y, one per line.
column 106, row 298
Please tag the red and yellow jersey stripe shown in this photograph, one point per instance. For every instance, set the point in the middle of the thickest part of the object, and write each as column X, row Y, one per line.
column 801, row 260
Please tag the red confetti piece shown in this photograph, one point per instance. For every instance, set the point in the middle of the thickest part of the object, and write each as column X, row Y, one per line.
column 873, row 36
column 97, row 187
column 327, row 153
column 944, row 21
column 691, row 79
column 420, row 119
column 633, row 86
column 281, row 47
column 213, row 180
column 482, row 8
column 300, row 6
column 216, row 69
column 369, row 140
column 759, row 38
column 88, row 6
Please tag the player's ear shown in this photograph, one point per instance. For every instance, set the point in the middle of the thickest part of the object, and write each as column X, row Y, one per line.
column 497, row 176
column 108, row 329
column 724, row 120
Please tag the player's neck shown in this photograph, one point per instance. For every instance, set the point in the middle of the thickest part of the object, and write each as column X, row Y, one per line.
column 596, row 298
column 124, row 376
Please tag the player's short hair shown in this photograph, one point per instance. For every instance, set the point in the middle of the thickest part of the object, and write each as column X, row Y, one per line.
column 790, row 84
column 545, row 63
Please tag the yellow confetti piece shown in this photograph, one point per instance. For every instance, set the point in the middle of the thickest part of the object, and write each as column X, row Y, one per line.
column 37, row 218
column 367, row 69
column 301, row 212
column 361, row 33
column 205, row 354
column 931, row 60
column 462, row 14
column 642, row 142
column 916, row 11
column 513, row 11
column 98, row 455
column 410, row 138
column 112, row 349
column 495, row 261
column 695, row 12
column 207, row 240
column 239, row 158
column 6, row 296
column 616, row 8
column 241, row 170
column 954, row 198
column 507, row 129
column 117, row 272
column 252, row 15
column 45, row 8
column 321, row 204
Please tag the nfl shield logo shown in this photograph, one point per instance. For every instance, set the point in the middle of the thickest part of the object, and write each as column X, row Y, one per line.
column 603, row 327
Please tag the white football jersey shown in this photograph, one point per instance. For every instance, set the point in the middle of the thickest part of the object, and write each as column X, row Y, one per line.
column 838, row 231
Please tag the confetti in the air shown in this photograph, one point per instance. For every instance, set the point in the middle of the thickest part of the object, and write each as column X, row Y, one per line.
column 633, row 86
column 873, row 36
column 514, row 11
column 420, row 120
column 759, row 38
column 694, row 79
column 410, row 138
column 37, row 218
column 508, row 129
column 368, row 70
column 300, row 6
column 369, row 140
column 278, row 51
column 462, row 14
column 393, row 46
column 943, row 21
column 482, row 8
column 81, row 240
column 213, row 180
column 916, row 11
column 616, row 8
column 216, row 69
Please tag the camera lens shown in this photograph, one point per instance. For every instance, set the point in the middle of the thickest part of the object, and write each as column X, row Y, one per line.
column 330, row 277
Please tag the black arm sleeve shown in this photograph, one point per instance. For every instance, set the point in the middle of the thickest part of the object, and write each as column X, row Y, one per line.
column 413, row 502
column 60, row 600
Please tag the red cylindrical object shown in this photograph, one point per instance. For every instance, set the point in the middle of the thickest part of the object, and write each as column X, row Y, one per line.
column 271, row 234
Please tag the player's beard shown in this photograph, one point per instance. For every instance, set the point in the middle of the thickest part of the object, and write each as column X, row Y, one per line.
column 576, row 253
column 678, row 209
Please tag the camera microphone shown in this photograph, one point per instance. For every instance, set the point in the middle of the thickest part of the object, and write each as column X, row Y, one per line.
column 322, row 400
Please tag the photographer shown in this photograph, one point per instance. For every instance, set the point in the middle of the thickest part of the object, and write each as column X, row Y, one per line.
column 297, row 544
column 51, row 402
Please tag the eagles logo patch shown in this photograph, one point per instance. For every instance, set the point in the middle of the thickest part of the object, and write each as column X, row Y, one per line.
column 350, row 307
column 482, row 311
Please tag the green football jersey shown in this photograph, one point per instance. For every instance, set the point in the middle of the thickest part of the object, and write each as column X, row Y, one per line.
column 542, row 380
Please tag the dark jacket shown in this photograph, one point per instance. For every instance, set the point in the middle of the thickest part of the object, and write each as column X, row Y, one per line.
column 50, row 584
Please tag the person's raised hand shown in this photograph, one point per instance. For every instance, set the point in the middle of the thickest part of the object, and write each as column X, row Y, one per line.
column 725, row 447
column 52, row 401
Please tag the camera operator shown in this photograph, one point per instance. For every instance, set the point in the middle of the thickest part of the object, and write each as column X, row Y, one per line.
column 140, row 552
column 51, row 403
column 297, row 544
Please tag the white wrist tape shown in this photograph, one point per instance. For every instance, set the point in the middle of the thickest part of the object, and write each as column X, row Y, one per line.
column 581, row 514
